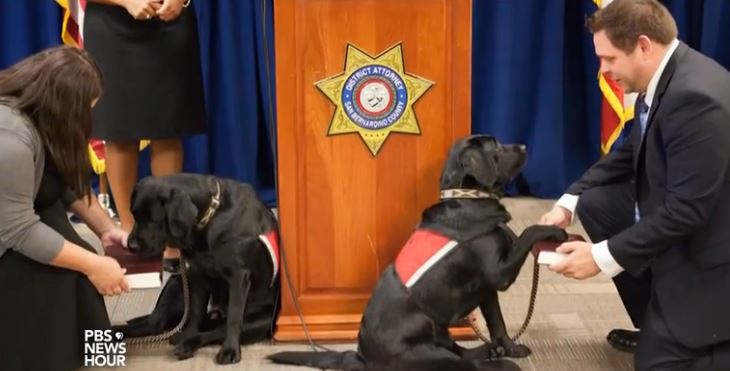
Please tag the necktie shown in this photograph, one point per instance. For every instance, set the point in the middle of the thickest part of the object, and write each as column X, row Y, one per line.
column 642, row 112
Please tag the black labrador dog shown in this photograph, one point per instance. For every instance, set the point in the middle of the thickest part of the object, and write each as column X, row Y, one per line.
column 461, row 254
column 230, row 240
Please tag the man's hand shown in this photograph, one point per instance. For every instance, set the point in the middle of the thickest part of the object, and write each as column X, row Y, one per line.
column 115, row 237
column 170, row 9
column 579, row 264
column 558, row 216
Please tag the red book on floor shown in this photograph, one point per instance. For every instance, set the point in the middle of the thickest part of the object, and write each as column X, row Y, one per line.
column 551, row 246
column 133, row 262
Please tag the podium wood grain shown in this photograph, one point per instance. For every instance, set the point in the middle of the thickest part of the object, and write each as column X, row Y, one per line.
column 345, row 213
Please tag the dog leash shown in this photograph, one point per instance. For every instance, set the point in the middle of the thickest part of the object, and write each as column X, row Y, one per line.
column 473, row 322
column 186, row 311
column 316, row 347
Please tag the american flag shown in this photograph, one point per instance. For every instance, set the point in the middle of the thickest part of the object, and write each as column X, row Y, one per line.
column 617, row 108
column 73, row 22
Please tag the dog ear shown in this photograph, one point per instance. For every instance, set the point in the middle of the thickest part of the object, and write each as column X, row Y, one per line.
column 480, row 166
column 181, row 213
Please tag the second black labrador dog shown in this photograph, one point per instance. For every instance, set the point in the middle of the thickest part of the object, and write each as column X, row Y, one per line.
column 230, row 241
column 459, row 257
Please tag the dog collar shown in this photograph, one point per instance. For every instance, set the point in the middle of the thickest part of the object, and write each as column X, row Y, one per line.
column 215, row 202
column 465, row 193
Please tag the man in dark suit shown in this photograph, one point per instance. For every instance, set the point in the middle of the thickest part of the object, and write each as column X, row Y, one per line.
column 658, row 208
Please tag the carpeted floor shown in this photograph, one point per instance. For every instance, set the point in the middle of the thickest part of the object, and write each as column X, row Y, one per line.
column 567, row 331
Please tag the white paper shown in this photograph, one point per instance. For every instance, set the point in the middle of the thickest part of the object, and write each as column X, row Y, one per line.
column 550, row 257
column 144, row 280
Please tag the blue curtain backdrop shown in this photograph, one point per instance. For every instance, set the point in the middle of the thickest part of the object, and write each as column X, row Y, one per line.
column 534, row 80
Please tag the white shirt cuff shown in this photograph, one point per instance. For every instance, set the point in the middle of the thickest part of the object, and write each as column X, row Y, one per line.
column 605, row 260
column 568, row 202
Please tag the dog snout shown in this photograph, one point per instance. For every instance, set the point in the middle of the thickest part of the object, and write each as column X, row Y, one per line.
column 516, row 147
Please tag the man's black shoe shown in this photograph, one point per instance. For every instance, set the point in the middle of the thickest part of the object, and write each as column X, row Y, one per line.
column 623, row 340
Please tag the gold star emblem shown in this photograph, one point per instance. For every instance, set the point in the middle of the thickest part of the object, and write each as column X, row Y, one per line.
column 374, row 96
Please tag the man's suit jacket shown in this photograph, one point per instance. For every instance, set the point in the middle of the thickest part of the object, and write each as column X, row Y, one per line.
column 682, row 176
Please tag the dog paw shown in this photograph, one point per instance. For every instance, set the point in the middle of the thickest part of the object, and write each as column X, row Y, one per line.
column 517, row 351
column 184, row 352
column 535, row 233
column 186, row 347
column 182, row 336
column 141, row 326
column 554, row 233
column 176, row 338
column 227, row 356
column 486, row 352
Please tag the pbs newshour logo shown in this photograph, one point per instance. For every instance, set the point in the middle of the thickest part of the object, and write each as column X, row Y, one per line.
column 104, row 348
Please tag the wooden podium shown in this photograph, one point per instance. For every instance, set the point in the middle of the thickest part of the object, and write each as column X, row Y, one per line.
column 345, row 212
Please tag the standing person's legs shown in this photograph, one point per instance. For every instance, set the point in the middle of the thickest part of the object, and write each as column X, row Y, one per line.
column 604, row 212
column 166, row 159
column 166, row 156
column 122, row 169
column 122, row 162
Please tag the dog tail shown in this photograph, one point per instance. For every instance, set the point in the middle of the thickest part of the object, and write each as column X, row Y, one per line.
column 450, row 364
column 349, row 360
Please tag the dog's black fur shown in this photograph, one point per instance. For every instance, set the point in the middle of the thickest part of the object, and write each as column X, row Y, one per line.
column 228, row 264
column 407, row 329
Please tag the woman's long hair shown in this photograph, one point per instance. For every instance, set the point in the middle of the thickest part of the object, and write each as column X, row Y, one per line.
column 55, row 88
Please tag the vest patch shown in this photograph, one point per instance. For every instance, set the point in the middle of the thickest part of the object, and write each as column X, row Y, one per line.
column 271, row 241
column 420, row 253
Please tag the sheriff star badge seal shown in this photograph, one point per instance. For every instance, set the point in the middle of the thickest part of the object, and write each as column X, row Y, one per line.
column 374, row 96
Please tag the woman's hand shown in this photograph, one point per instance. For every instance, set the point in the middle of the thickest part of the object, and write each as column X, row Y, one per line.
column 142, row 9
column 115, row 237
column 170, row 9
column 103, row 272
column 107, row 276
